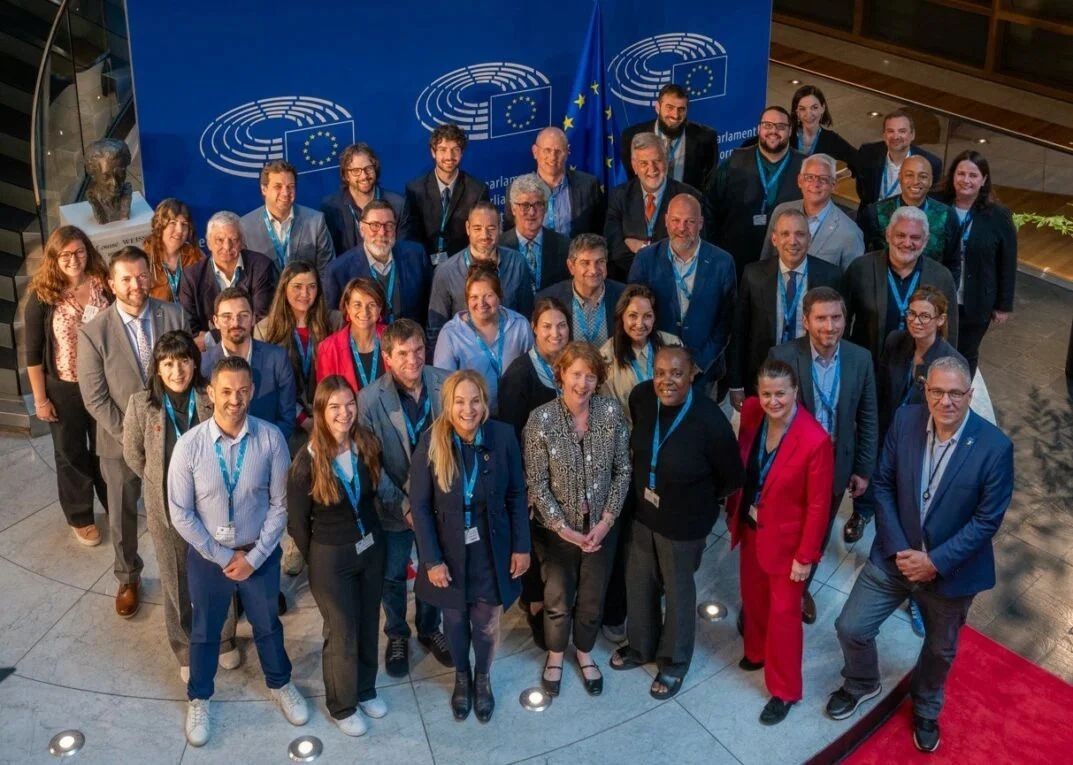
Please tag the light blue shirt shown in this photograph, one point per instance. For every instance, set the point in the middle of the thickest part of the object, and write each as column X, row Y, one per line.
column 197, row 494
column 823, row 379
column 132, row 336
column 937, row 456
column 559, row 209
column 802, row 288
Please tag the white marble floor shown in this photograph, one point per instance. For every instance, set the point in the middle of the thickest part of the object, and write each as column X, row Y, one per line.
column 77, row 665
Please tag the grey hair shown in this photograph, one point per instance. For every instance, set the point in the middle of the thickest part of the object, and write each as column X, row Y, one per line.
column 530, row 183
column 826, row 160
column 649, row 141
column 951, row 364
column 791, row 211
column 224, row 218
column 586, row 243
column 913, row 214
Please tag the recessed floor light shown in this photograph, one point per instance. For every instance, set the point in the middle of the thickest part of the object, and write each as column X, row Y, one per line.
column 66, row 743
column 535, row 699
column 712, row 610
column 305, row 749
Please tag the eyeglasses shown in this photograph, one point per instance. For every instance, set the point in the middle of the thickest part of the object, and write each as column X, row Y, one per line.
column 529, row 206
column 782, row 127
column 376, row 227
column 71, row 257
column 935, row 395
column 823, row 180
column 366, row 170
column 923, row 318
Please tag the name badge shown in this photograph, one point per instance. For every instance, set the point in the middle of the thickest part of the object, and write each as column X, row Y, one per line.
column 651, row 497
column 472, row 535
column 89, row 312
column 225, row 535
column 363, row 544
column 760, row 219
column 753, row 512
column 439, row 258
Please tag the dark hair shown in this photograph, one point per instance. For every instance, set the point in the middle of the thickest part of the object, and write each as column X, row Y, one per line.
column 231, row 293
column 280, row 323
column 365, row 284
column 129, row 254
column 947, row 193
column 586, row 243
column 479, row 272
column 377, row 204
column 348, row 154
column 680, row 350
column 401, row 331
column 177, row 344
column 448, row 133
column 587, row 352
column 821, row 295
column 773, row 369
column 545, row 304
column 809, row 90
column 621, row 345
column 899, row 114
column 322, row 485
column 776, row 108
column 483, row 204
column 277, row 166
column 231, row 364
column 935, row 296
column 672, row 89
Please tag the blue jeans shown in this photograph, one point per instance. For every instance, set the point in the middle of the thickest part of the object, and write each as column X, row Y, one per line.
column 210, row 595
column 874, row 597
column 426, row 618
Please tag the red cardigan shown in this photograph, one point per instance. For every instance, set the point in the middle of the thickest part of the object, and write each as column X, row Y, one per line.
column 796, row 498
column 334, row 357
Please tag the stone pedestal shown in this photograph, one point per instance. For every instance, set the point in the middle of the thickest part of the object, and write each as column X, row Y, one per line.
column 110, row 237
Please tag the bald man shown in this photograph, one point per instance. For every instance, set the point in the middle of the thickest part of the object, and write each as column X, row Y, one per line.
column 576, row 204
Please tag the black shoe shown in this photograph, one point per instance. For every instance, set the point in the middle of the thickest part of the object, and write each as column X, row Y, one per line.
column 808, row 608
column 436, row 643
column 854, row 528
column 925, row 734
column 282, row 604
column 462, row 698
column 536, row 626
column 775, row 711
column 592, row 687
column 750, row 666
column 551, row 687
column 485, row 702
column 842, row 703
column 397, row 657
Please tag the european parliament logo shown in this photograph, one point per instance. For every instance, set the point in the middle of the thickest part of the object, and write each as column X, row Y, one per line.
column 308, row 132
column 696, row 62
column 490, row 100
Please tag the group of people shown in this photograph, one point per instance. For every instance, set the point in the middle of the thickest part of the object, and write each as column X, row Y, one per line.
column 570, row 443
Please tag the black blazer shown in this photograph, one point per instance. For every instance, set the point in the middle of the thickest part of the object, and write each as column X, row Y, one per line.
column 554, row 249
column 872, row 164
column 990, row 264
column 831, row 144
column 520, row 392
column 199, row 288
column 892, row 381
column 626, row 218
column 588, row 207
column 756, row 312
column 423, row 210
column 564, row 293
column 702, row 151
column 339, row 217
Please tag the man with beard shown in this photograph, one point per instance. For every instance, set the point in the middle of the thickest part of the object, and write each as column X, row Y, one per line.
column 749, row 184
column 692, row 148
column 359, row 168
column 400, row 267
column 115, row 361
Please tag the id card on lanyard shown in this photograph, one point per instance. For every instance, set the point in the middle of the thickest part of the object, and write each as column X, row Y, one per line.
column 225, row 535
column 469, row 485
column 769, row 184
column 352, row 487
column 764, row 461
column 657, row 443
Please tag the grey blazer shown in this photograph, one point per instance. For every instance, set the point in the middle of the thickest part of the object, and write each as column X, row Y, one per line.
column 839, row 240
column 380, row 410
column 310, row 239
column 109, row 373
column 857, row 416
column 143, row 447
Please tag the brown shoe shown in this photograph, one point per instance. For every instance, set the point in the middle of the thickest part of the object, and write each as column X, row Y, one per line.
column 87, row 535
column 126, row 600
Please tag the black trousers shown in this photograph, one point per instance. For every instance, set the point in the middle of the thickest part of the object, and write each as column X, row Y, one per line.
column 574, row 586
column 657, row 566
column 477, row 627
column 78, row 471
column 347, row 588
column 532, row 583
column 836, row 500
column 615, row 599
column 970, row 335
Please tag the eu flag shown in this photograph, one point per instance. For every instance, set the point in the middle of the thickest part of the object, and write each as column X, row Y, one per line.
column 520, row 111
column 702, row 78
column 590, row 123
column 317, row 147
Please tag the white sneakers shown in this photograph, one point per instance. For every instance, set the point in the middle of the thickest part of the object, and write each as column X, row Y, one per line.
column 231, row 659
column 197, row 722
column 354, row 725
column 292, row 704
column 375, row 708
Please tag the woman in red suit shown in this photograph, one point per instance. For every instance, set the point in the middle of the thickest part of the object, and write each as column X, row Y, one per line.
column 779, row 518
column 354, row 351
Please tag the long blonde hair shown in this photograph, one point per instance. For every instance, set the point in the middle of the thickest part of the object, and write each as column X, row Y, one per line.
column 441, row 452
column 324, row 488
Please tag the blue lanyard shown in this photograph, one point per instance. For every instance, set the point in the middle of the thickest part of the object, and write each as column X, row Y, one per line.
column 366, row 377
column 174, row 279
column 764, row 458
column 592, row 332
column 964, row 230
column 821, row 218
column 789, row 310
column 543, row 369
column 354, row 211
column 680, row 278
column 769, row 183
column 645, row 374
column 885, row 190
column 352, row 487
column 908, row 384
column 496, row 358
column 807, row 150
column 413, row 429
column 469, row 480
column 231, row 477
column 305, row 353
column 190, row 409
column 902, row 301
column 277, row 245
column 389, row 289
column 551, row 217
column 828, row 402
column 441, row 240
column 657, row 442
column 657, row 201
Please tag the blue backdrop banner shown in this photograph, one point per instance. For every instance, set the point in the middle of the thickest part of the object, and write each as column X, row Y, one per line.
column 221, row 88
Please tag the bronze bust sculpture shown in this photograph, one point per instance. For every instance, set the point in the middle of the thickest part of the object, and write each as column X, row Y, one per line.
column 108, row 193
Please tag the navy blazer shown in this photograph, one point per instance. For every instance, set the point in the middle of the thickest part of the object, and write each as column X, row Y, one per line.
column 423, row 210
column 626, row 219
column 702, row 151
column 342, row 217
column 892, row 378
column 872, row 165
column 554, row 249
column 413, row 279
column 965, row 512
column 439, row 523
column 564, row 293
column 587, row 204
column 199, row 288
column 705, row 329
column 274, row 391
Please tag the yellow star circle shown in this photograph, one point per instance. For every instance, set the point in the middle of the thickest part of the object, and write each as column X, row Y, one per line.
column 320, row 159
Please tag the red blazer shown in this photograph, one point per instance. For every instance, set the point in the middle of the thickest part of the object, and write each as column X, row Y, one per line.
column 334, row 358
column 796, row 499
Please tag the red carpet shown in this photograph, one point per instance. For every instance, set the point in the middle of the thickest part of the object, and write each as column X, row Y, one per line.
column 999, row 709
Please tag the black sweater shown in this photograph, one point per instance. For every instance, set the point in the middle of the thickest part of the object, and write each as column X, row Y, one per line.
column 520, row 392
column 698, row 465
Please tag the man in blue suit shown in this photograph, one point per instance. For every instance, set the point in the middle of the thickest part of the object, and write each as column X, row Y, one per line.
column 695, row 285
column 401, row 268
column 943, row 484
column 274, row 392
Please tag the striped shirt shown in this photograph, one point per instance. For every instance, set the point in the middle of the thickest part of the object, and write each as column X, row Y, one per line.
column 197, row 494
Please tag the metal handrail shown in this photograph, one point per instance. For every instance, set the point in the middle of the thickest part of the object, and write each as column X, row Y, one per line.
column 60, row 13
